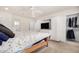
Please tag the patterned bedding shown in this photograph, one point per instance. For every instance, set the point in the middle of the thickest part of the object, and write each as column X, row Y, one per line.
column 21, row 41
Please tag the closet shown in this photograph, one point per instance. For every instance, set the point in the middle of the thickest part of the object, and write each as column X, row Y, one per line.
column 72, row 27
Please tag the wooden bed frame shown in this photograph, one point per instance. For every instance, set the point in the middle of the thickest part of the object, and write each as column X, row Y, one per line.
column 37, row 46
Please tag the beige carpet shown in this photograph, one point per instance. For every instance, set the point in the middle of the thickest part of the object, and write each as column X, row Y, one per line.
column 60, row 47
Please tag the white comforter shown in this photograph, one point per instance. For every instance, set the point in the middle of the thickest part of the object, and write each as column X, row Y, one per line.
column 21, row 41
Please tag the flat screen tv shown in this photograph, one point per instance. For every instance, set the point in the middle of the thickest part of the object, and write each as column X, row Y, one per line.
column 45, row 26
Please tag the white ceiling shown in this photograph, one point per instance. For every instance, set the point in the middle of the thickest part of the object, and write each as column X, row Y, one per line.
column 33, row 11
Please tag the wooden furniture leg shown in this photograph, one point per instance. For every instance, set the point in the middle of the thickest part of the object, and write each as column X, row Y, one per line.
column 37, row 46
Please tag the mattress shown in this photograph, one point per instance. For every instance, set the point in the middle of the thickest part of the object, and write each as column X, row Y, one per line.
column 37, row 36
column 21, row 41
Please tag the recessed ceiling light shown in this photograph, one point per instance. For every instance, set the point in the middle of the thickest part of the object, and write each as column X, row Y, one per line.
column 6, row 8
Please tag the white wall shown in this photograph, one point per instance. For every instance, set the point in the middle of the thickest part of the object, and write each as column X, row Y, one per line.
column 61, row 28
column 8, row 20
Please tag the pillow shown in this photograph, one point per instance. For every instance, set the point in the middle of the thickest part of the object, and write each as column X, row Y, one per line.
column 3, row 37
column 0, row 42
column 7, row 31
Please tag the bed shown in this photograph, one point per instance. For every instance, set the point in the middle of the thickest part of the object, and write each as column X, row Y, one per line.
column 25, row 42
column 39, row 40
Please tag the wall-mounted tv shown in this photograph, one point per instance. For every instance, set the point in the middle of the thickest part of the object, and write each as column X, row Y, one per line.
column 45, row 25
